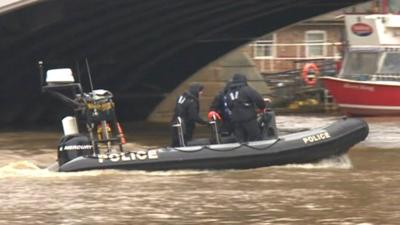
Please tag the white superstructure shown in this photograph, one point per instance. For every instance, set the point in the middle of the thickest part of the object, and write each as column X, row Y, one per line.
column 373, row 30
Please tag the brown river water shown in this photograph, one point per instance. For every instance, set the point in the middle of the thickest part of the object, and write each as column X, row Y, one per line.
column 360, row 188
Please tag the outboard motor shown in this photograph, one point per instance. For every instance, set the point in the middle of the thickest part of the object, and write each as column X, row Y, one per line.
column 73, row 146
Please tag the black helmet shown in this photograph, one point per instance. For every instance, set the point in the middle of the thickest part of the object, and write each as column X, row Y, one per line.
column 195, row 88
column 239, row 79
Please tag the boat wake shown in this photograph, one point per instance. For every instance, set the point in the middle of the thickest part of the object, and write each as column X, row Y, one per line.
column 21, row 169
column 338, row 162
column 27, row 169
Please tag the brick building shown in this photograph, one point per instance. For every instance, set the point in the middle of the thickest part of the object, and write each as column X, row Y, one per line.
column 320, row 38
column 281, row 50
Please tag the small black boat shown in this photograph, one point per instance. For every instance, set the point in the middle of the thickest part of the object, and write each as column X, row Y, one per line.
column 303, row 147
column 102, row 145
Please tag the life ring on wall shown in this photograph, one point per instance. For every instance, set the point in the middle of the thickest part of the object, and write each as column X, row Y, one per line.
column 310, row 79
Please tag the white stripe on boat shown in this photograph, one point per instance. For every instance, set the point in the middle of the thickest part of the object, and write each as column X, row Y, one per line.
column 369, row 106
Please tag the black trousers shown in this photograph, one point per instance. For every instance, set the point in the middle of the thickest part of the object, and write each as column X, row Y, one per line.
column 226, row 128
column 247, row 131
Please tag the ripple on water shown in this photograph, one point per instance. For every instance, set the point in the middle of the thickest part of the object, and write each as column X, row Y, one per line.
column 315, row 193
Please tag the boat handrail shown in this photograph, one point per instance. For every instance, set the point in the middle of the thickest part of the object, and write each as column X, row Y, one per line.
column 229, row 146
column 218, row 147
column 189, row 148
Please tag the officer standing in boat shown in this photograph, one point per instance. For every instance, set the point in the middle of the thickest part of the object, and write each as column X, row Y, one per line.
column 219, row 110
column 243, row 101
column 186, row 115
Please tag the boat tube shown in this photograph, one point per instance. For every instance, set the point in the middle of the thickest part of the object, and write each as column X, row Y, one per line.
column 303, row 147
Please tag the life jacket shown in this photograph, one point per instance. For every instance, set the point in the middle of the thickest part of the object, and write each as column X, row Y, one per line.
column 240, row 104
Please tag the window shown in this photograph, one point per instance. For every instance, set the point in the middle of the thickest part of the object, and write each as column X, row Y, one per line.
column 315, row 43
column 391, row 63
column 360, row 63
column 263, row 48
column 394, row 6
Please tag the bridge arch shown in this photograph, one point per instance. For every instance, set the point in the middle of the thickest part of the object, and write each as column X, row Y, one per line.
column 140, row 50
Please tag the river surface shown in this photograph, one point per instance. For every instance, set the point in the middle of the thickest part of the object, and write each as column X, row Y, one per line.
column 360, row 188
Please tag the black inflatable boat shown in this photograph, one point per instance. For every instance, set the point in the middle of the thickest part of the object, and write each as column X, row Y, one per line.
column 101, row 146
column 303, row 147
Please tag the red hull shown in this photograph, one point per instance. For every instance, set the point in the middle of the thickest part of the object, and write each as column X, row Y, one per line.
column 365, row 98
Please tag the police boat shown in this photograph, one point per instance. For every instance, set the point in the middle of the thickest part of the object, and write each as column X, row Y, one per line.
column 101, row 145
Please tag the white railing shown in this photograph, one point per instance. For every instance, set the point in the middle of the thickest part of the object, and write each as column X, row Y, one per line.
column 297, row 51
column 283, row 55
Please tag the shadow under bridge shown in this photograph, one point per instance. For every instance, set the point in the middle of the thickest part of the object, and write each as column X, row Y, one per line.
column 139, row 50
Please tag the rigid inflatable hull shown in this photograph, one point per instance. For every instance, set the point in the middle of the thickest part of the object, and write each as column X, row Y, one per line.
column 303, row 147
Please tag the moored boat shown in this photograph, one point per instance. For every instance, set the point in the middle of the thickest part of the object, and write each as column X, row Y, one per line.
column 365, row 98
column 369, row 81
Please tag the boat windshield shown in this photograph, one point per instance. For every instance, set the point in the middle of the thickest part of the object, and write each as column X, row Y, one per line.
column 391, row 63
column 359, row 65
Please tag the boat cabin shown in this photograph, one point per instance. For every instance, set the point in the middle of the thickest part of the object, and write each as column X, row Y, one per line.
column 373, row 52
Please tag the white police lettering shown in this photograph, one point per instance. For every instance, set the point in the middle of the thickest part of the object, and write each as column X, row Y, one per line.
column 75, row 147
column 114, row 157
column 125, row 157
column 317, row 137
column 152, row 154
column 102, row 157
column 132, row 156
column 142, row 155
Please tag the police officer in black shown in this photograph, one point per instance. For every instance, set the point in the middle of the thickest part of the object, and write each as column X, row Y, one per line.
column 243, row 101
column 219, row 109
column 187, row 114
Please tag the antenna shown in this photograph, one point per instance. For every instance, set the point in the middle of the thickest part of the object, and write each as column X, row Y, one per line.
column 78, row 71
column 41, row 72
column 89, row 74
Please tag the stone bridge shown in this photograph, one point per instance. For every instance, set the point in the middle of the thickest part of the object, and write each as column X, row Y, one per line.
column 141, row 50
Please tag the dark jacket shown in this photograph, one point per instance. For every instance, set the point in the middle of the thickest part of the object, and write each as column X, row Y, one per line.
column 220, row 104
column 243, row 100
column 187, row 106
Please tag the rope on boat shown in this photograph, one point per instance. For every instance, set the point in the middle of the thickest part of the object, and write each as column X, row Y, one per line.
column 261, row 149
column 231, row 149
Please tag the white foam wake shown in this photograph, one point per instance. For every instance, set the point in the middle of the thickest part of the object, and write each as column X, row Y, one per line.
column 338, row 162
column 27, row 169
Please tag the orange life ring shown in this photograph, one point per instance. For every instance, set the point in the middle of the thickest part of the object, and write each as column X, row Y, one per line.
column 310, row 80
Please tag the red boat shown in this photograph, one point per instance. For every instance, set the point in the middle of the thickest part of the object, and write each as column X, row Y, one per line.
column 369, row 81
column 365, row 98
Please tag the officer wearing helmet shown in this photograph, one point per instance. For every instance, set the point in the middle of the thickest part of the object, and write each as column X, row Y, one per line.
column 220, row 111
column 244, row 101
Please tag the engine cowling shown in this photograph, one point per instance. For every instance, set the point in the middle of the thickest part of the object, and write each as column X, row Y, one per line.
column 73, row 146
